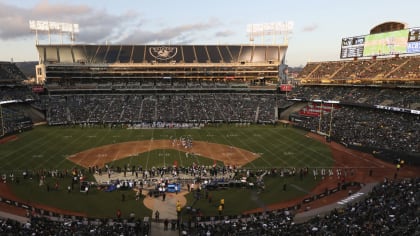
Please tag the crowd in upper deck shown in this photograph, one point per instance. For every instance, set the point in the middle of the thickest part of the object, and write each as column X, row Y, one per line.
column 397, row 68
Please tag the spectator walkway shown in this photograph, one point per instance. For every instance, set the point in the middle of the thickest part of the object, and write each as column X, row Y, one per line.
column 363, row 192
column 6, row 215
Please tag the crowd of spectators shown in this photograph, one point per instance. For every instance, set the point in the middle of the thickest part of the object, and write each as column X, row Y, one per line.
column 14, row 121
column 394, row 97
column 10, row 72
column 391, row 208
column 18, row 93
column 145, row 83
column 177, row 108
column 395, row 69
column 45, row 226
column 11, row 86
column 13, row 91
column 368, row 127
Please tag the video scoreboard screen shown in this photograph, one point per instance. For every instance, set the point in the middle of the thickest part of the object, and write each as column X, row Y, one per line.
column 388, row 43
column 352, row 47
column 413, row 44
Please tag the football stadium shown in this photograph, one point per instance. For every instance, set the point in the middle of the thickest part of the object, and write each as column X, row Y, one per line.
column 182, row 139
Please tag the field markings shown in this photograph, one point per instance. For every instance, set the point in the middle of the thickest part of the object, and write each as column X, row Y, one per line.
column 136, row 137
column 100, row 142
column 237, row 136
column 224, row 137
column 286, row 145
column 74, row 140
column 51, row 150
column 58, row 151
column 164, row 158
column 150, row 148
column 51, row 157
column 299, row 188
column 305, row 148
column 179, row 152
column 134, row 154
column 22, row 151
column 27, row 150
column 275, row 139
column 92, row 143
column 243, row 134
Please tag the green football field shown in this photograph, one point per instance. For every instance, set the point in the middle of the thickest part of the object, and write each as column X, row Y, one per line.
column 47, row 147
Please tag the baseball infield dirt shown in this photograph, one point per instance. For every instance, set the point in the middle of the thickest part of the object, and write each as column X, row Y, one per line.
column 101, row 155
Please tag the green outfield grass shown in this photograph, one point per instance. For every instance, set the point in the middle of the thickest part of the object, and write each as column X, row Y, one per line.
column 239, row 200
column 47, row 147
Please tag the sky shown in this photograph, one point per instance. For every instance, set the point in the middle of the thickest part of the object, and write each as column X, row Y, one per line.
column 318, row 25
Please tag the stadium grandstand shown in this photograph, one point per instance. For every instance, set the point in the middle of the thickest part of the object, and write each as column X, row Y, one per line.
column 141, row 85
column 145, row 83
column 375, row 83
column 395, row 71
column 368, row 101
column 14, row 99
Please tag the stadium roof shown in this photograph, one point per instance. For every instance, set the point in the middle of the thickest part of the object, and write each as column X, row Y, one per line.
column 110, row 54
column 388, row 27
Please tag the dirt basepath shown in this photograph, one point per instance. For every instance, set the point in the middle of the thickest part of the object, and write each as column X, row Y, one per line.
column 6, row 193
column 101, row 155
column 8, row 139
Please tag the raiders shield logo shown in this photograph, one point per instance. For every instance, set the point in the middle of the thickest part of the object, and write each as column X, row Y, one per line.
column 163, row 52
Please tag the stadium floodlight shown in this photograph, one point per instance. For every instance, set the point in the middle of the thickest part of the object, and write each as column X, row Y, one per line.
column 270, row 29
column 51, row 27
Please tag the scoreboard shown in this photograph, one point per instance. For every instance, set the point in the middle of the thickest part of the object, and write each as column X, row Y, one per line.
column 352, row 47
column 413, row 44
column 406, row 41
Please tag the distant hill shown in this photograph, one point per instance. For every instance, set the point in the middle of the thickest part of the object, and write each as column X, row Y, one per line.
column 27, row 67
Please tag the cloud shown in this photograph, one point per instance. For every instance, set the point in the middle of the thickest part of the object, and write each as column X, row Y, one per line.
column 97, row 25
column 44, row 8
column 13, row 22
column 175, row 34
column 310, row 28
column 225, row 33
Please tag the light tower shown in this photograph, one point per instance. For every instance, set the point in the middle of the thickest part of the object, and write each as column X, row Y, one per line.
column 272, row 31
column 50, row 27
